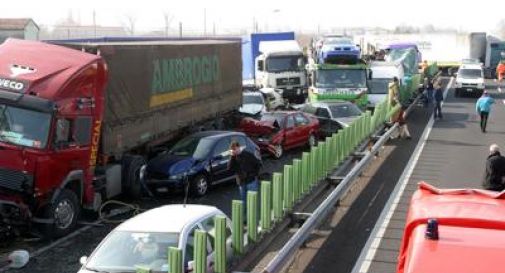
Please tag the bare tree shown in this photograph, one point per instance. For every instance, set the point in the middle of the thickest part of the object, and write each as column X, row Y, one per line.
column 168, row 18
column 129, row 23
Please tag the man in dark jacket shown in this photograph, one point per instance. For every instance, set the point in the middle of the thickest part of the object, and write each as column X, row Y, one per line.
column 438, row 96
column 495, row 170
column 247, row 167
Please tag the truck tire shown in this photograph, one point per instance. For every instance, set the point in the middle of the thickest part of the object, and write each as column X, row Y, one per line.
column 133, row 168
column 199, row 186
column 65, row 212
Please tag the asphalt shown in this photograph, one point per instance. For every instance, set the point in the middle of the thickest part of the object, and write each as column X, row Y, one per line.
column 453, row 157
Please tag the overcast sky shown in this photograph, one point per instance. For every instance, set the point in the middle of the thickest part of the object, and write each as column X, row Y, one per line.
column 273, row 14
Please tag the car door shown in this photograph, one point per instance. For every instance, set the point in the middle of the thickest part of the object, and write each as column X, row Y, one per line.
column 302, row 125
column 208, row 225
column 219, row 160
column 290, row 133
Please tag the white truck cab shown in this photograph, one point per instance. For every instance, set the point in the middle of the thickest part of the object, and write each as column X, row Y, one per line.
column 381, row 74
column 470, row 80
column 280, row 65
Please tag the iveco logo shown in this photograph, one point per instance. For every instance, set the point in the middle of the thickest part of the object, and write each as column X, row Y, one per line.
column 17, row 70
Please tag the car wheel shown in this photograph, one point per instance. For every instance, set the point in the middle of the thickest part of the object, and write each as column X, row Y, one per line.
column 278, row 151
column 312, row 140
column 64, row 211
column 199, row 185
column 133, row 170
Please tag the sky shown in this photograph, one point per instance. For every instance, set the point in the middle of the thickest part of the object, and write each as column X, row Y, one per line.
column 271, row 15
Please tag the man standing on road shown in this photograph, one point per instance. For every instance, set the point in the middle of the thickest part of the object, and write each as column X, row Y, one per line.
column 495, row 170
column 483, row 108
column 247, row 167
column 439, row 97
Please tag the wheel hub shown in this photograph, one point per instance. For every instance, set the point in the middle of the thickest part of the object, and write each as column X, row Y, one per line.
column 64, row 214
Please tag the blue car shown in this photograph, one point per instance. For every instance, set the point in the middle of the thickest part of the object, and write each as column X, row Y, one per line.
column 201, row 158
column 339, row 50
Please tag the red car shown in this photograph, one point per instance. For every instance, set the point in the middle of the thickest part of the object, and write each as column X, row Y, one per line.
column 454, row 230
column 281, row 130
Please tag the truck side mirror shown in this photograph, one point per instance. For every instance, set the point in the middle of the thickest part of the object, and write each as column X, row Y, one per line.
column 261, row 65
column 300, row 62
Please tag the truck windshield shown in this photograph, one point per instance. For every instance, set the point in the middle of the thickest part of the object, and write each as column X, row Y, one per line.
column 123, row 251
column 470, row 73
column 24, row 127
column 379, row 86
column 341, row 78
column 197, row 147
column 283, row 63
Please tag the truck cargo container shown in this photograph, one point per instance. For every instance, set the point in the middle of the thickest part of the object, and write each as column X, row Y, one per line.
column 77, row 121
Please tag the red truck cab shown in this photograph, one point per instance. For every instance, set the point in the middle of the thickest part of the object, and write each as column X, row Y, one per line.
column 51, row 108
column 466, row 232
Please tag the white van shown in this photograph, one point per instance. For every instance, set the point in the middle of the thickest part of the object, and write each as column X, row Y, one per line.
column 470, row 80
column 381, row 74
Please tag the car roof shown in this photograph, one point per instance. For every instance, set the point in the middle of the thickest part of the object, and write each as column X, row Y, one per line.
column 169, row 218
column 216, row 134
column 471, row 66
column 470, row 227
column 328, row 103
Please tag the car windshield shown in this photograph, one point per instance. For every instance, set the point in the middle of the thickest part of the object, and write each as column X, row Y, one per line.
column 124, row 251
column 273, row 117
column 250, row 99
column 283, row 63
column 344, row 110
column 470, row 73
column 378, row 86
column 192, row 146
column 341, row 78
column 24, row 127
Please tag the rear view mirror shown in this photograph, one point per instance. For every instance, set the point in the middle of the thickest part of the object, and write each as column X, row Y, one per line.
column 300, row 62
column 260, row 65
column 83, row 260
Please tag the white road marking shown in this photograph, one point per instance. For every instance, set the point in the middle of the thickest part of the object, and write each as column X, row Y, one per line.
column 368, row 253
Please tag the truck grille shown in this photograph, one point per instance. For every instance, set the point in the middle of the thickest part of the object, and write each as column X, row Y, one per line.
column 15, row 180
column 288, row 81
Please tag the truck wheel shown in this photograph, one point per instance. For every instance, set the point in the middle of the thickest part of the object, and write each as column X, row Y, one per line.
column 65, row 212
column 133, row 175
column 199, row 185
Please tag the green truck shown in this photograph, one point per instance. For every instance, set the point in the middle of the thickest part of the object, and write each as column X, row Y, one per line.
column 339, row 82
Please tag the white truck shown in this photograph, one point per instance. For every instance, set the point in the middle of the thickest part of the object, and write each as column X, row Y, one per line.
column 381, row 74
column 280, row 65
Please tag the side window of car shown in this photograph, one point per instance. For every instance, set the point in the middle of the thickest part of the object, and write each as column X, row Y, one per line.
column 222, row 147
column 189, row 250
column 300, row 120
column 208, row 225
column 309, row 109
column 322, row 112
column 240, row 139
column 290, row 123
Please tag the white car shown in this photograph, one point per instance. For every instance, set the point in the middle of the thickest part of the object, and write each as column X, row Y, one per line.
column 253, row 103
column 382, row 74
column 470, row 79
column 144, row 240
column 273, row 98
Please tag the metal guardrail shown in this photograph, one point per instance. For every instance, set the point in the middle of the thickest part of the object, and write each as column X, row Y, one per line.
column 285, row 254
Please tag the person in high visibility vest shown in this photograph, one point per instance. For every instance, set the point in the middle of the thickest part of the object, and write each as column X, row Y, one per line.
column 500, row 71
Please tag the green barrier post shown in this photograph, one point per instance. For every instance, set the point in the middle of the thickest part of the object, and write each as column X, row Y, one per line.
column 175, row 260
column 288, row 187
column 220, row 245
column 266, row 205
column 297, row 180
column 252, row 215
column 200, row 252
column 237, row 226
column 305, row 172
column 277, row 198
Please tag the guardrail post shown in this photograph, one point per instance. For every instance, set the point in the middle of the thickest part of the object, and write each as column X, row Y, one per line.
column 220, row 245
column 266, row 205
column 329, row 154
column 335, row 149
column 305, row 172
column 237, row 226
column 200, row 252
column 320, row 161
column 252, row 215
column 347, row 133
column 175, row 260
column 297, row 179
column 277, row 192
column 288, row 187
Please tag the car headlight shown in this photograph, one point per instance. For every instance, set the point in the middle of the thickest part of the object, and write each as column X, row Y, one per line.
column 176, row 176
